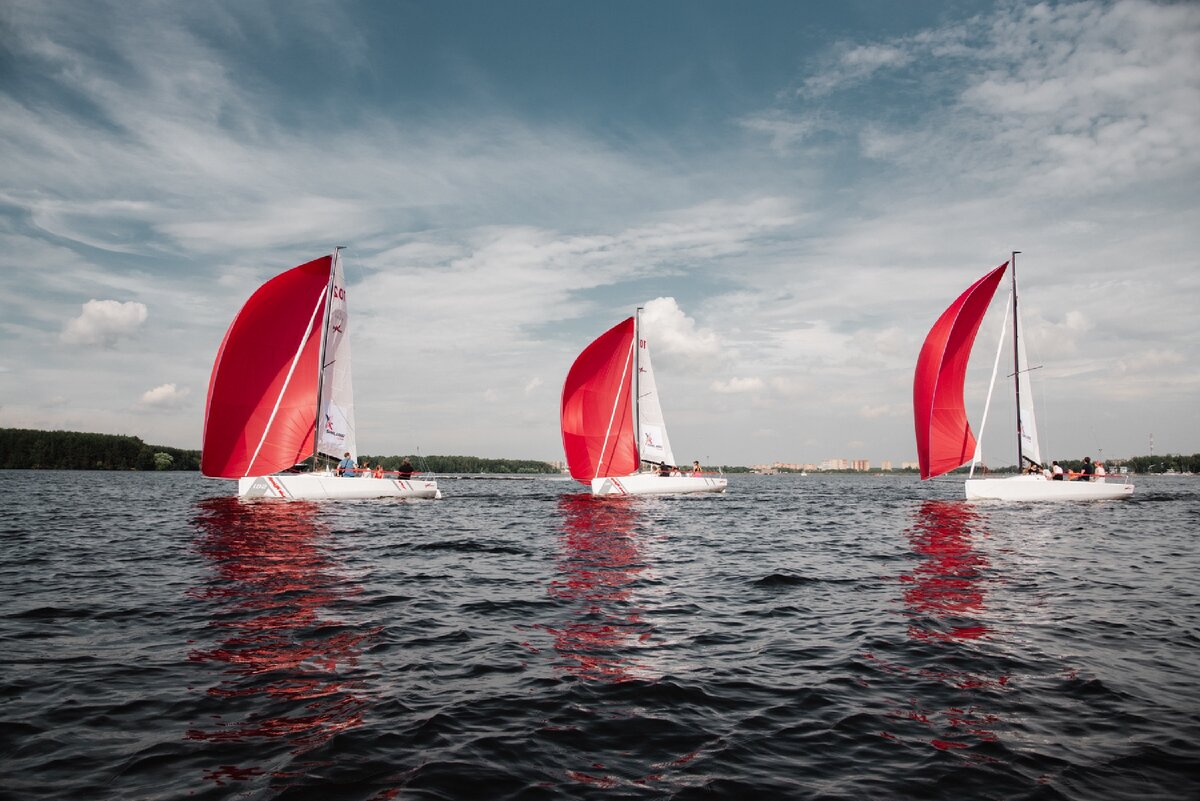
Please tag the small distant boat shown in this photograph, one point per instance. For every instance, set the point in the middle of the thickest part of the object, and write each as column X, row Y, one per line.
column 280, row 392
column 944, row 438
column 612, row 421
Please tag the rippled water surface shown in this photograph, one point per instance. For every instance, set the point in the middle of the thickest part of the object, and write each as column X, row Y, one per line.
column 816, row 637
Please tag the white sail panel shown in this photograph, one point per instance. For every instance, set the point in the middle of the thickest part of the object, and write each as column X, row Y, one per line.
column 654, row 445
column 336, row 420
column 1029, row 436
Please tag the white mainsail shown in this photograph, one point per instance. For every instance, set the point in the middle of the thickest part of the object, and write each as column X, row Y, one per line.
column 654, row 445
column 335, row 423
column 1029, row 436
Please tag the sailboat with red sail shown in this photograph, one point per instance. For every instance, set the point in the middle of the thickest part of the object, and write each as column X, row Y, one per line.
column 612, row 421
column 280, row 392
column 945, row 441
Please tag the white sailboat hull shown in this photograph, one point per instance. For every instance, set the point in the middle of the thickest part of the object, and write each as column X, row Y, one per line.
column 326, row 486
column 1038, row 488
column 654, row 484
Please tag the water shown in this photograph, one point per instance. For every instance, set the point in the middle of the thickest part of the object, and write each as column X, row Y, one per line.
column 808, row 638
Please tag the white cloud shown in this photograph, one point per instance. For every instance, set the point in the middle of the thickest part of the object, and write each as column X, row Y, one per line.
column 854, row 64
column 104, row 322
column 674, row 333
column 737, row 385
column 812, row 249
column 164, row 396
column 882, row 410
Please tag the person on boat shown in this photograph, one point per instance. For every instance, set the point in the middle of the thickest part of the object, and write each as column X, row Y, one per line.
column 664, row 469
column 1056, row 471
column 1087, row 471
column 346, row 466
column 365, row 470
column 1100, row 471
column 378, row 471
column 696, row 468
column 405, row 470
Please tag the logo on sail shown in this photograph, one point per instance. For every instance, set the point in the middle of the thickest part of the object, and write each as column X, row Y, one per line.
column 331, row 431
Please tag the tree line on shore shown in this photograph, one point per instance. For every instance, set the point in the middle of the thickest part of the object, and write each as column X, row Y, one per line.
column 29, row 449
column 460, row 464
column 1163, row 463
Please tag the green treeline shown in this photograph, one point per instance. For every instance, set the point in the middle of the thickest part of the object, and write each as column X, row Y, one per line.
column 1177, row 462
column 27, row 449
column 1154, row 464
column 460, row 464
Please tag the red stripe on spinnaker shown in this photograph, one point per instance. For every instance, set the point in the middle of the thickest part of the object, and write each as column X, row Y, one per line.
column 597, row 408
column 262, row 396
column 944, row 437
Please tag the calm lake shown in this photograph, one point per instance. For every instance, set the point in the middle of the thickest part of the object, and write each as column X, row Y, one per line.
column 820, row 637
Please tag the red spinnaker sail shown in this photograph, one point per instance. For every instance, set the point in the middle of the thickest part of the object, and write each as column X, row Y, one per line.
column 944, row 438
column 262, row 396
column 597, row 408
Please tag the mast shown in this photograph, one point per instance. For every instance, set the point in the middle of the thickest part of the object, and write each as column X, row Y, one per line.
column 637, row 386
column 337, row 251
column 1016, row 361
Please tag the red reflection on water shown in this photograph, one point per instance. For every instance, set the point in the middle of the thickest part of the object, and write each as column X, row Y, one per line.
column 944, row 586
column 283, row 657
column 945, row 595
column 599, row 561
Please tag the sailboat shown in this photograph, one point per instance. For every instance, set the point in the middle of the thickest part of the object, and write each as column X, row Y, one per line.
column 945, row 441
column 612, row 421
column 280, row 392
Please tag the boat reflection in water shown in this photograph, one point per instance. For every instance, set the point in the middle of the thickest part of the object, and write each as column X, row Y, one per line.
column 944, row 592
column 283, row 658
column 945, row 599
column 599, row 563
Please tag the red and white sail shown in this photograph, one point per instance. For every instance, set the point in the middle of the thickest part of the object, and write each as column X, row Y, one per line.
column 262, row 395
column 597, row 407
column 654, row 444
column 336, row 421
column 944, row 438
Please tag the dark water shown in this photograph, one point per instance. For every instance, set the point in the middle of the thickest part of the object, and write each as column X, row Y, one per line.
column 819, row 637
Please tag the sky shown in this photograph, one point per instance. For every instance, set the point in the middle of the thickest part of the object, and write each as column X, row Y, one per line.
column 794, row 192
